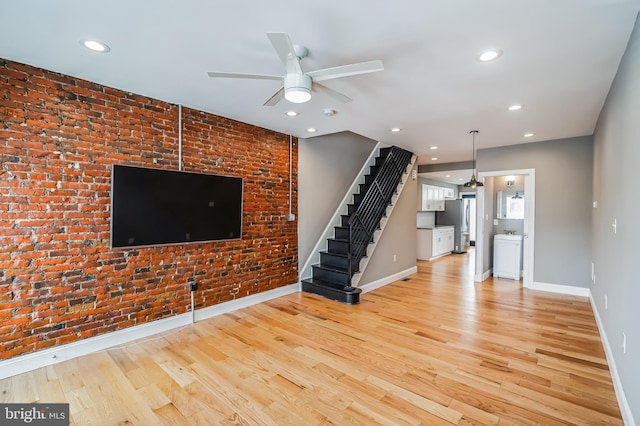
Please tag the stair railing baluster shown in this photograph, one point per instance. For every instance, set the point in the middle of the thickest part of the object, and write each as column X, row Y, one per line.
column 373, row 206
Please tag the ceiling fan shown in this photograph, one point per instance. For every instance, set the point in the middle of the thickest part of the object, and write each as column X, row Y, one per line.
column 297, row 84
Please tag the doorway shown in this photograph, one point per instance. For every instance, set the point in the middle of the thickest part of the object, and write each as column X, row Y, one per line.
column 468, row 227
column 484, row 221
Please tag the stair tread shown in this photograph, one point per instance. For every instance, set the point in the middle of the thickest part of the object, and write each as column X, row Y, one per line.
column 331, row 268
column 334, row 254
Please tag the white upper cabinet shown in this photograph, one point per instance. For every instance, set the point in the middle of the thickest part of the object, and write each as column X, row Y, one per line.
column 432, row 197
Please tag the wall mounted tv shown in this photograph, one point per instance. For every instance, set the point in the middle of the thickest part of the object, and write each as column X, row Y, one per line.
column 153, row 207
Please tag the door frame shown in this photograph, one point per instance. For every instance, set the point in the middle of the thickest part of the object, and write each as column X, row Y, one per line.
column 528, row 239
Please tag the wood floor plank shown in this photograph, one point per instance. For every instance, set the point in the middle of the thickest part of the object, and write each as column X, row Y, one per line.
column 433, row 349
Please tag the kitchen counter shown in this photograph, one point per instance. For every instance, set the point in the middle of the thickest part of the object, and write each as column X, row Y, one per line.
column 434, row 241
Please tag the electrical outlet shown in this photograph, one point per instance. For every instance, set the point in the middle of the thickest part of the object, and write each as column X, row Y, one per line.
column 606, row 302
column 291, row 217
column 593, row 273
column 624, row 343
column 595, row 204
column 193, row 285
column 395, row 257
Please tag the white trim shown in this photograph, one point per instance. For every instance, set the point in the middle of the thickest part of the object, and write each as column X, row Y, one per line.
column 486, row 274
column 388, row 280
column 623, row 404
column 559, row 288
column 43, row 358
column 244, row 302
column 321, row 244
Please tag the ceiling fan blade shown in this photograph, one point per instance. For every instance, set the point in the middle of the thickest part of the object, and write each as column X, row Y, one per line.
column 275, row 98
column 346, row 70
column 320, row 88
column 240, row 75
column 285, row 50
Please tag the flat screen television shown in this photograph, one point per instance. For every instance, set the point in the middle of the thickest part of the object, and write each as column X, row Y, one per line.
column 157, row 207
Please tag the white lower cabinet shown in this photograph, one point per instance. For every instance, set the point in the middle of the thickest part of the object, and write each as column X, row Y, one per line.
column 435, row 242
column 507, row 251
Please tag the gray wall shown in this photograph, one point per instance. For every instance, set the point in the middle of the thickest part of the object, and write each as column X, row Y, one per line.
column 615, row 187
column 562, row 201
column 327, row 166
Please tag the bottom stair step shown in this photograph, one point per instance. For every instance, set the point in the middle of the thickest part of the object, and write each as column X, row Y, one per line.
column 339, row 293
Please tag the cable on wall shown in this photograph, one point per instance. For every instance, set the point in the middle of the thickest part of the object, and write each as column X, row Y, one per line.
column 179, row 137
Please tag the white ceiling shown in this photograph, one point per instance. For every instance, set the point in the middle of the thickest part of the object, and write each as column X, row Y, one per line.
column 559, row 59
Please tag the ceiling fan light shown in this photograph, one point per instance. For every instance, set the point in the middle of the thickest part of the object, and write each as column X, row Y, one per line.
column 297, row 95
column 297, row 88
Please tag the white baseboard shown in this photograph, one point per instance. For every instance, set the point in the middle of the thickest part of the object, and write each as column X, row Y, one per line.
column 387, row 280
column 43, row 358
column 243, row 302
column 558, row 288
column 627, row 415
column 485, row 275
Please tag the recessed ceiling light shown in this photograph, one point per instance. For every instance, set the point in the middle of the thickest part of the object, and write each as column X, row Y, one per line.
column 515, row 107
column 489, row 55
column 292, row 113
column 460, row 179
column 528, row 135
column 95, row 45
column 434, row 158
column 433, row 147
column 447, row 175
column 312, row 130
column 395, row 129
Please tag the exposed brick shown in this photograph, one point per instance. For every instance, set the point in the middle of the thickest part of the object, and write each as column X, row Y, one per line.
column 59, row 280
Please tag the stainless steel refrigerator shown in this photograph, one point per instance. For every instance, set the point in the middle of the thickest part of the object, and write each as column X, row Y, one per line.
column 457, row 213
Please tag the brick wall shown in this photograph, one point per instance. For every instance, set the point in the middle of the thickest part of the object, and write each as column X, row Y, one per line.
column 59, row 280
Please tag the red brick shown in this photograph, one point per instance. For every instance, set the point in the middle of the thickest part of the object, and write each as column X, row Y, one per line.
column 60, row 250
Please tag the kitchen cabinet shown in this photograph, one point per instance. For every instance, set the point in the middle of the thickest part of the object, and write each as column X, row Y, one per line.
column 449, row 194
column 435, row 242
column 432, row 197
column 507, row 251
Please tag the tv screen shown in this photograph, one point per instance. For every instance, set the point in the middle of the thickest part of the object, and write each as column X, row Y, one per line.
column 151, row 206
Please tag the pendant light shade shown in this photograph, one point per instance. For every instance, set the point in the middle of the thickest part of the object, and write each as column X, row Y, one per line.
column 473, row 183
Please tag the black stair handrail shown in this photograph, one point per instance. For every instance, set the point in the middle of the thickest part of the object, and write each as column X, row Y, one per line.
column 366, row 219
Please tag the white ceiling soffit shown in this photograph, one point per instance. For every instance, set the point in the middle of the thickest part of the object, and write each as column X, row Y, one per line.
column 558, row 60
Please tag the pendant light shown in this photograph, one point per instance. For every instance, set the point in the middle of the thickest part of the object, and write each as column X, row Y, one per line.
column 473, row 183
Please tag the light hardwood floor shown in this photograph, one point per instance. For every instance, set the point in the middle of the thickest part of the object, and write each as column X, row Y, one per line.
column 434, row 349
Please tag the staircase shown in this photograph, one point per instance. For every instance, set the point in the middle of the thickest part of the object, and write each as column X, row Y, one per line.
column 346, row 252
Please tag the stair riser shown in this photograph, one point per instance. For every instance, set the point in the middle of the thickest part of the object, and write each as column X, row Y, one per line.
column 328, row 259
column 341, row 233
column 350, row 297
column 330, row 276
column 341, row 247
